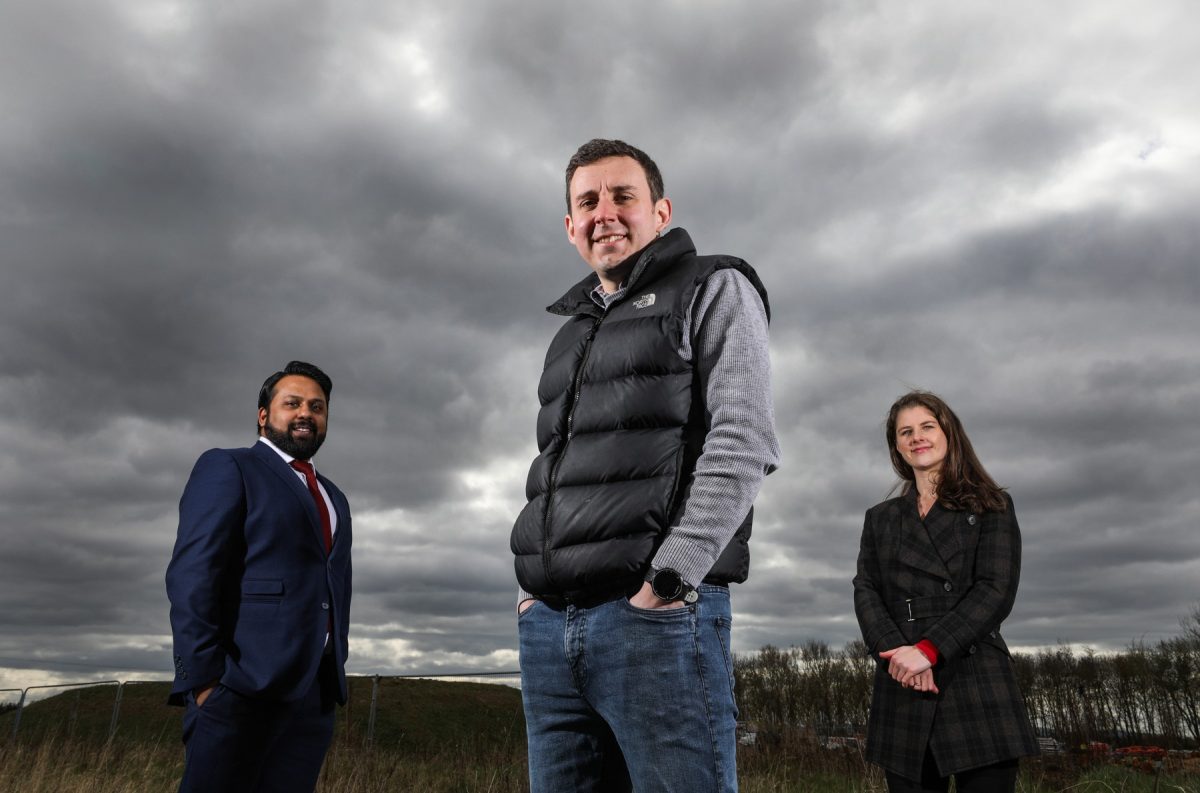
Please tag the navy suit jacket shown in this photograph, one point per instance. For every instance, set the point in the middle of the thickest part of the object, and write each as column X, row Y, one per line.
column 252, row 590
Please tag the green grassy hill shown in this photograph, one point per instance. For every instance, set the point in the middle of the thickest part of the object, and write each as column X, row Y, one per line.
column 419, row 716
column 429, row 736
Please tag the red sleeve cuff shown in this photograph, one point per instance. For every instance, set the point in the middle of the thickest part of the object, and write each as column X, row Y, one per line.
column 927, row 648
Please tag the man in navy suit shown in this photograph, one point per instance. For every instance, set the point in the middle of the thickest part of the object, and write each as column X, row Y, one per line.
column 259, row 585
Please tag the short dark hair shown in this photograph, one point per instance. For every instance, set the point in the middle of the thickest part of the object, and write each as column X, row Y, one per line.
column 598, row 149
column 267, row 392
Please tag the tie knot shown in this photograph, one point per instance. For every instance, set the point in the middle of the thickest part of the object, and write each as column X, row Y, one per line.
column 303, row 467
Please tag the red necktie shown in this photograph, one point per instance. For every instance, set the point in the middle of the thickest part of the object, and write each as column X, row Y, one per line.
column 310, row 476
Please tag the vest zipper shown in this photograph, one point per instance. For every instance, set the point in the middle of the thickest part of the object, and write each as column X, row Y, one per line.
column 576, row 389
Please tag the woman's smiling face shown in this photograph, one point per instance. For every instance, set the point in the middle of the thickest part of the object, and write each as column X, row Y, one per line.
column 919, row 439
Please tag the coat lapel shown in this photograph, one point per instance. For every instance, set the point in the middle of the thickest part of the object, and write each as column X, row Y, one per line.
column 288, row 476
column 942, row 527
column 918, row 548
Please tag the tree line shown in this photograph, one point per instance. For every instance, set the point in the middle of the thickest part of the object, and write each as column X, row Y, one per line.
column 1144, row 694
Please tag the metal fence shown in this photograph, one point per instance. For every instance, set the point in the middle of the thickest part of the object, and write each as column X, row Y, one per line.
column 89, row 711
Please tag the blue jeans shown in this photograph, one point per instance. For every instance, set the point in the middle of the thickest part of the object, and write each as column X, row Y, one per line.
column 619, row 698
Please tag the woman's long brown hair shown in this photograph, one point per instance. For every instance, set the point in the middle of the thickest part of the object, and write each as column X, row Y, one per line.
column 962, row 482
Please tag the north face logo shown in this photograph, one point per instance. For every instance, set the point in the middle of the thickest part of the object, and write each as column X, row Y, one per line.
column 645, row 301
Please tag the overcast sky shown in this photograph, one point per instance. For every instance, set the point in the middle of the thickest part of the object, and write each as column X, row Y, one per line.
column 999, row 205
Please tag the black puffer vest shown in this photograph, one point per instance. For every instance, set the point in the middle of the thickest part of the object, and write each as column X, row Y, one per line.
column 621, row 426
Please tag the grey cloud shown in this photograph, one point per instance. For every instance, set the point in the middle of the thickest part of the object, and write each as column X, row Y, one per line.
column 190, row 197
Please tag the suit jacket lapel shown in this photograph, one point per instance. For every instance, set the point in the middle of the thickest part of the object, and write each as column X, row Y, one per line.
column 292, row 480
column 338, row 500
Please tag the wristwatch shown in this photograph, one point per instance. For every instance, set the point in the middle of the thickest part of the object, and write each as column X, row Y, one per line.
column 669, row 585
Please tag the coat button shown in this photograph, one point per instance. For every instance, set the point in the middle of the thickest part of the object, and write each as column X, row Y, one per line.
column 325, row 606
column 947, row 586
column 972, row 650
column 971, row 520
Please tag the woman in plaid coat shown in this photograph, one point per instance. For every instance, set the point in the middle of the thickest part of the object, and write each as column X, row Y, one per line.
column 937, row 574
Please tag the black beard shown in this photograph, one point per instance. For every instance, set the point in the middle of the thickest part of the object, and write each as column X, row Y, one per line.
column 289, row 444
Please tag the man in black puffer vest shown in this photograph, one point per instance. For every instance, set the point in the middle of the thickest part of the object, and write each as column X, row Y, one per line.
column 655, row 432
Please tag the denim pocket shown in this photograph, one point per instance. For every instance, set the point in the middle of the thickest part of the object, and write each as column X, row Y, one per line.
column 523, row 614
column 663, row 615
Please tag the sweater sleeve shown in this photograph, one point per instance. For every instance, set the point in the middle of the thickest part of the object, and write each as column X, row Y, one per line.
column 728, row 346
column 928, row 650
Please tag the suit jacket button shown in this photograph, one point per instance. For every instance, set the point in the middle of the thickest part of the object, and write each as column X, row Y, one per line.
column 325, row 606
column 947, row 586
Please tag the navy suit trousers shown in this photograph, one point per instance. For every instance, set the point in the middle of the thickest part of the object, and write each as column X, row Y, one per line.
column 238, row 744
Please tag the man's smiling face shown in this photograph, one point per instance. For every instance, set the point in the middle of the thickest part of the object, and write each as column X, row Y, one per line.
column 297, row 419
column 613, row 215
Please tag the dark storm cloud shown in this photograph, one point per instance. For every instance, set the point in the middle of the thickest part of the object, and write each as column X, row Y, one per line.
column 190, row 196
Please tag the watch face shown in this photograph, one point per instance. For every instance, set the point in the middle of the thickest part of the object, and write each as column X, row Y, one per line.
column 667, row 584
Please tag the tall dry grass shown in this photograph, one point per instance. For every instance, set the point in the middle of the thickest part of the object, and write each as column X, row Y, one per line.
column 431, row 737
column 79, row 767
column 73, row 767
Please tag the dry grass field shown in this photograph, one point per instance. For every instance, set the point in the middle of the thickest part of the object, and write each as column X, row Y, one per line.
column 430, row 736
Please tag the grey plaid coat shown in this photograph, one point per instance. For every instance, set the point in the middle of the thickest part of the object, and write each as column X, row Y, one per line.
column 951, row 579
